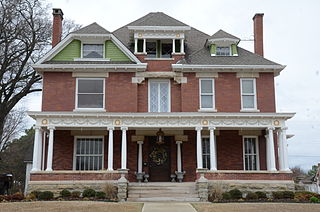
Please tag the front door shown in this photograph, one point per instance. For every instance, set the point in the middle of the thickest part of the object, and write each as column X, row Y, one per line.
column 159, row 160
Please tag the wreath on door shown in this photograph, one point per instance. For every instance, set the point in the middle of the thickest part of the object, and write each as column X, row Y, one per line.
column 159, row 155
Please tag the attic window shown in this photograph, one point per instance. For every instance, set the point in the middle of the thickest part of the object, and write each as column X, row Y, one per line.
column 92, row 50
column 223, row 51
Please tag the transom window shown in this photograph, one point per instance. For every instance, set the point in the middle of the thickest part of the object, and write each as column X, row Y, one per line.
column 92, row 50
column 159, row 96
column 90, row 93
column 248, row 93
column 223, row 51
column 206, row 152
column 207, row 94
column 88, row 153
column 250, row 146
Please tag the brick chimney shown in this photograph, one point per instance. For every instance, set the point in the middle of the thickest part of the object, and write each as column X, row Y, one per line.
column 57, row 26
column 258, row 33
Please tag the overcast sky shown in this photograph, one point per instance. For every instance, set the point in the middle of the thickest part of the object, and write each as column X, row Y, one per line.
column 291, row 37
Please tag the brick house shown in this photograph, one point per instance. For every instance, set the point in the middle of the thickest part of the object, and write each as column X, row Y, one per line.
column 159, row 101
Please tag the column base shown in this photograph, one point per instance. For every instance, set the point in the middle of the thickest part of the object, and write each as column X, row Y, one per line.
column 49, row 170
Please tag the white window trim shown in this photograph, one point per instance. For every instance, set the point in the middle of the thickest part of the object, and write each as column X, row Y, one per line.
column 230, row 51
column 254, row 109
column 93, row 59
column 90, row 109
column 215, row 138
column 257, row 150
column 149, row 93
column 213, row 109
column 75, row 151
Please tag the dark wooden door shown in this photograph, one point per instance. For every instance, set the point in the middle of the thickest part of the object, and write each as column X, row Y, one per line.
column 159, row 160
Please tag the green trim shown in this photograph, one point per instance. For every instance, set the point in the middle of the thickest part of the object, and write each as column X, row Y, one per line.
column 114, row 53
column 71, row 51
column 234, row 50
column 213, row 49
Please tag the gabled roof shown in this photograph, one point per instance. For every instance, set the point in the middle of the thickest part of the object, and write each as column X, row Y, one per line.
column 157, row 19
column 93, row 28
column 223, row 34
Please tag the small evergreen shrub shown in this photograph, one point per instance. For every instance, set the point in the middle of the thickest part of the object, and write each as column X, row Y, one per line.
column 305, row 195
column 251, row 196
column 100, row 195
column 75, row 194
column 288, row 195
column 235, row 194
column 65, row 193
column 46, row 195
column 261, row 195
column 89, row 193
column 226, row 196
column 277, row 195
column 36, row 193
column 314, row 200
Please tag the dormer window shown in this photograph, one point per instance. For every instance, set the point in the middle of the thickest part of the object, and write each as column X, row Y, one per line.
column 92, row 51
column 223, row 51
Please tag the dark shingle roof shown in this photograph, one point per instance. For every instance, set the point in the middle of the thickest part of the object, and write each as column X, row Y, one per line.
column 93, row 28
column 157, row 19
column 89, row 62
column 223, row 34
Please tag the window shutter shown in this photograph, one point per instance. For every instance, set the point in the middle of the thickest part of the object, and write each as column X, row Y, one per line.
column 234, row 50
column 213, row 49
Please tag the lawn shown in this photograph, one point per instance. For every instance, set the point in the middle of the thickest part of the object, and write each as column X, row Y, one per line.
column 79, row 206
column 250, row 207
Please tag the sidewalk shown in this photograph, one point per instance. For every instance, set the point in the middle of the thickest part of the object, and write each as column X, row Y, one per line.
column 168, row 207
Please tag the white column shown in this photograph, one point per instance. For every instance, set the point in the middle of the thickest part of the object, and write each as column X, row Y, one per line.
column 272, row 158
column 267, row 152
column 44, row 148
column 179, row 163
column 40, row 150
column 135, row 45
column 199, row 148
column 173, row 46
column 140, row 156
column 36, row 150
column 283, row 150
column 182, row 45
column 124, row 148
column 50, row 149
column 213, row 152
column 110, row 149
column 144, row 46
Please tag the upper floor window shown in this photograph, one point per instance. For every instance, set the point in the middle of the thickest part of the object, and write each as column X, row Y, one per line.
column 223, row 51
column 207, row 94
column 151, row 49
column 250, row 153
column 90, row 93
column 248, row 94
column 206, row 152
column 92, row 50
column 159, row 96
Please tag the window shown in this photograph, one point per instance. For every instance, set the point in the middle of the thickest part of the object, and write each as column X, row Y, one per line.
column 159, row 96
column 223, row 51
column 250, row 146
column 248, row 94
column 207, row 94
column 159, row 48
column 166, row 50
column 90, row 93
column 206, row 152
column 140, row 45
column 88, row 153
column 151, row 49
column 177, row 46
column 92, row 50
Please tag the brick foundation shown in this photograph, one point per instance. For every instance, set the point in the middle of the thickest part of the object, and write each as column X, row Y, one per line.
column 74, row 175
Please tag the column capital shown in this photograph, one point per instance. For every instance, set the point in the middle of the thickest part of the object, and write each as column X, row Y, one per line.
column 211, row 128
column 178, row 142
column 284, row 128
column 36, row 127
column 51, row 128
column 198, row 128
column 124, row 128
column 139, row 142
column 270, row 128
column 110, row 128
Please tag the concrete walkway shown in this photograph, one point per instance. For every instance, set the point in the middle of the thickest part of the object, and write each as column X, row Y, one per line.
column 167, row 207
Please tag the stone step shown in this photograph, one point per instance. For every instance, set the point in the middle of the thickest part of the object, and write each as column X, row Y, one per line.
column 162, row 184
column 162, row 188
column 161, row 191
column 164, row 199
column 171, row 195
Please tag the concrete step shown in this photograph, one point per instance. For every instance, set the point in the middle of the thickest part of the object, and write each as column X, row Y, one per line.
column 164, row 199
column 157, row 191
column 161, row 188
column 169, row 195
column 162, row 184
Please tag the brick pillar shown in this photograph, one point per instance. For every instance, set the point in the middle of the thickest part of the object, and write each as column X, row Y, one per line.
column 258, row 33
column 56, row 26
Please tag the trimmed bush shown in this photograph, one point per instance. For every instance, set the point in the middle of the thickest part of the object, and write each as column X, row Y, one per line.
column 226, row 196
column 65, row 193
column 235, row 194
column 305, row 195
column 277, row 195
column 288, row 195
column 251, row 196
column 314, row 200
column 17, row 196
column 36, row 193
column 89, row 193
column 261, row 195
column 100, row 195
column 111, row 190
column 46, row 195
column 75, row 194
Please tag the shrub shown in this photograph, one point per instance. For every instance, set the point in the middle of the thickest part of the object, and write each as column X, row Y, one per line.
column 111, row 191
column 288, row 195
column 100, row 195
column 305, row 195
column 30, row 197
column 17, row 196
column 277, row 195
column 226, row 196
column 251, row 195
column 1, row 198
column 36, row 193
column 65, row 193
column 261, row 195
column 215, row 192
column 46, row 195
column 314, row 200
column 235, row 194
column 75, row 194
column 89, row 193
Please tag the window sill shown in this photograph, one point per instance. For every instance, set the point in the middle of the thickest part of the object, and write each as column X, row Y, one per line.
column 140, row 53
column 89, row 110
column 151, row 58
column 178, row 53
column 91, row 59
column 249, row 110
column 207, row 110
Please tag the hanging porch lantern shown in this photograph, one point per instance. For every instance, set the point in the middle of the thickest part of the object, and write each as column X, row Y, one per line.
column 160, row 137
